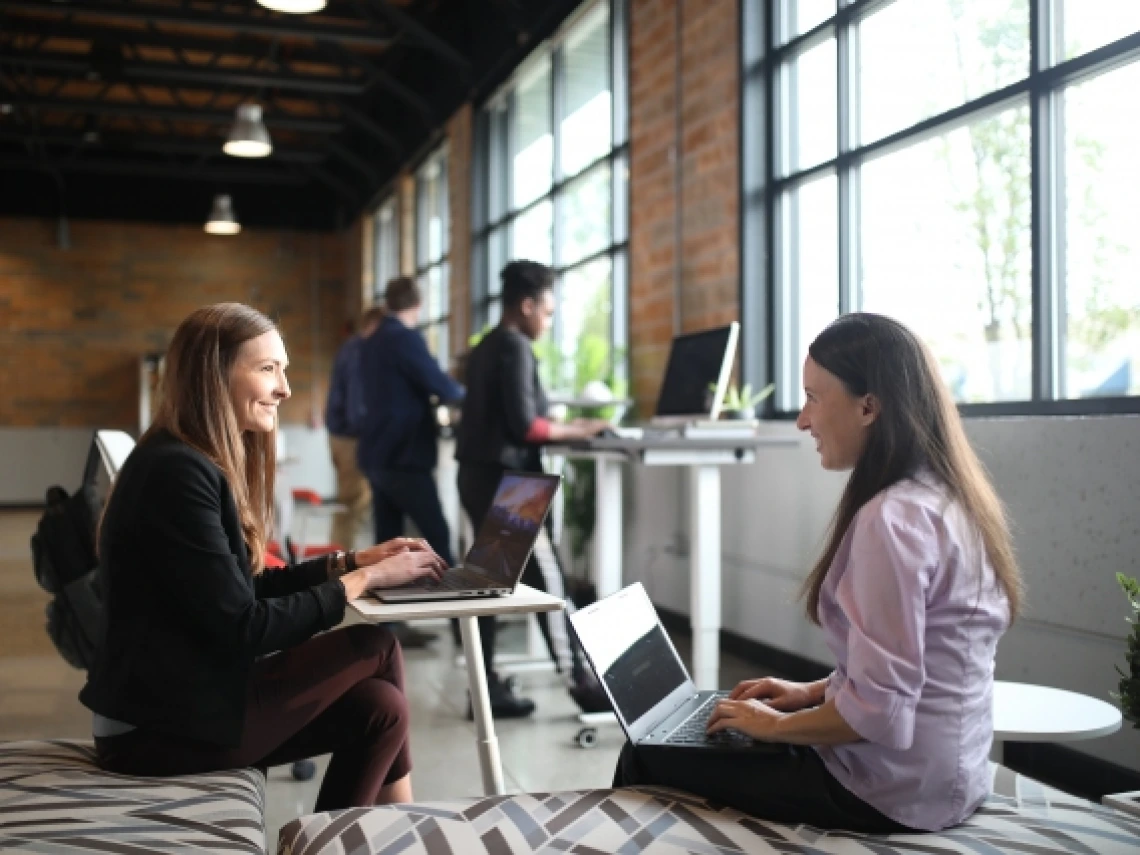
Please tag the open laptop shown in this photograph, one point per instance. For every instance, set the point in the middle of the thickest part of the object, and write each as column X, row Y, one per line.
column 496, row 560
column 696, row 379
column 655, row 700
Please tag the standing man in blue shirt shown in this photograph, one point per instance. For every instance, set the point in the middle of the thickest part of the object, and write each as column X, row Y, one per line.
column 403, row 384
column 344, row 412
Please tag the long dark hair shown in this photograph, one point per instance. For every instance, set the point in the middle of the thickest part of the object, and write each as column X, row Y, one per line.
column 196, row 408
column 917, row 427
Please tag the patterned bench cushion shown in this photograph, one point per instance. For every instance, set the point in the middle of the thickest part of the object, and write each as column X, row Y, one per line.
column 1021, row 816
column 54, row 799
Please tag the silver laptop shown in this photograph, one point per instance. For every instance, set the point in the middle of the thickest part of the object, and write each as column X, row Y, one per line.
column 695, row 382
column 652, row 694
column 497, row 558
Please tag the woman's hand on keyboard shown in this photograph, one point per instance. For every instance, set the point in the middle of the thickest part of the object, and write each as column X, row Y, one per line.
column 376, row 554
column 396, row 570
column 783, row 695
column 752, row 718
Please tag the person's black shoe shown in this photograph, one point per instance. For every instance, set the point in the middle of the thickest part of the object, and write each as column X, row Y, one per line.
column 504, row 702
column 590, row 696
column 411, row 638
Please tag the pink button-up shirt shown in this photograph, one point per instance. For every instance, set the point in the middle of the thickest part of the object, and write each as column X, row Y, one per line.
column 912, row 611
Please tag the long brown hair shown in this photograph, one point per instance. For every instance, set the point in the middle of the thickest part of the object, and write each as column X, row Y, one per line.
column 918, row 427
column 197, row 409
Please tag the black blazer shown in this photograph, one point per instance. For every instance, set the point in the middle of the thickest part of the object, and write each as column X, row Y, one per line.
column 504, row 396
column 185, row 617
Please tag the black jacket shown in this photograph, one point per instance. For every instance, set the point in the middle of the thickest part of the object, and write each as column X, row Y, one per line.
column 185, row 617
column 399, row 378
column 504, row 397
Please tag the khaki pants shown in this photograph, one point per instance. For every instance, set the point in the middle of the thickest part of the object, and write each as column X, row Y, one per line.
column 352, row 491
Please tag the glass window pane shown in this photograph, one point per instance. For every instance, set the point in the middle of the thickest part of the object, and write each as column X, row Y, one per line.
column 1089, row 24
column 584, row 209
column 531, row 233
column 532, row 146
column 586, row 126
column 584, row 322
column 801, row 16
column 808, row 84
column 496, row 260
column 919, row 58
column 431, row 220
column 946, row 249
column 387, row 246
column 1102, row 238
column 809, row 223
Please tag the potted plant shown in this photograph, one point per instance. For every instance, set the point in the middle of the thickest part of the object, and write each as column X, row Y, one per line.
column 1129, row 695
column 1129, row 687
column 740, row 403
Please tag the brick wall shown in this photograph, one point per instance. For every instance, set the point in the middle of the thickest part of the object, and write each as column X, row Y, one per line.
column 74, row 323
column 709, row 168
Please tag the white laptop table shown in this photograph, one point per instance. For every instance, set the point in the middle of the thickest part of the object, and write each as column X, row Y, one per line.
column 1027, row 713
column 524, row 599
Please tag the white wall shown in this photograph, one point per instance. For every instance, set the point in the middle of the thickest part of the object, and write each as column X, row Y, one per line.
column 33, row 459
column 1072, row 486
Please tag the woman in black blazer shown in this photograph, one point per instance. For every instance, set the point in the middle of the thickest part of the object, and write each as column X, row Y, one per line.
column 209, row 660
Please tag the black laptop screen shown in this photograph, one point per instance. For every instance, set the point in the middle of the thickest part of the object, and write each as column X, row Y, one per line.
column 511, row 526
column 645, row 674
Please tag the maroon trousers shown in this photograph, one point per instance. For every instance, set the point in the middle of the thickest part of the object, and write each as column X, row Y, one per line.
column 340, row 692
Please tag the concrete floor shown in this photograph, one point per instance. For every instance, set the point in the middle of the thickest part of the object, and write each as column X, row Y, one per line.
column 38, row 700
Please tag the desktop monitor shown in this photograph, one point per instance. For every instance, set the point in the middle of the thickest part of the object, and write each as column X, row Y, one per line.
column 697, row 374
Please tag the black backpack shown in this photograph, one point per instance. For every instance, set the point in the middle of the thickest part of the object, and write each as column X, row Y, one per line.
column 63, row 557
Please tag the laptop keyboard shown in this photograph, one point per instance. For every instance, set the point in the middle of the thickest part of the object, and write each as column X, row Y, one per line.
column 692, row 730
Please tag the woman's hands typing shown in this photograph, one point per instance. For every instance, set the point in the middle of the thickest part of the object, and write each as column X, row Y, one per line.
column 391, row 564
column 782, row 695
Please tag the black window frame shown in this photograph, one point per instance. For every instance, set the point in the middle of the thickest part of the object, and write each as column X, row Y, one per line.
column 763, row 55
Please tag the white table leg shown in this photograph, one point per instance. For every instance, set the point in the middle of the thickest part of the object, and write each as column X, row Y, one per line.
column 607, row 526
column 704, row 578
column 486, row 741
column 997, row 751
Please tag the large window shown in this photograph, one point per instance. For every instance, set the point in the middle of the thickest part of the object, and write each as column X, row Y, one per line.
column 550, row 186
column 431, row 252
column 386, row 257
column 966, row 166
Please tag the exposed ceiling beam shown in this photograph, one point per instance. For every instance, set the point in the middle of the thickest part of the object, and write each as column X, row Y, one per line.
column 173, row 114
column 342, row 189
column 265, row 25
column 353, row 159
column 388, row 82
column 238, row 47
column 405, row 22
column 191, row 75
column 385, row 137
column 122, row 143
column 179, row 171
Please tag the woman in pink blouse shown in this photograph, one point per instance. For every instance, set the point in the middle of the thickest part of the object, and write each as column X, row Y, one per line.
column 914, row 588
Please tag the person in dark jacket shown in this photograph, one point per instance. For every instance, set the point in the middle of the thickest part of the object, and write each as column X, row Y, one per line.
column 403, row 384
column 344, row 411
column 208, row 660
column 503, row 426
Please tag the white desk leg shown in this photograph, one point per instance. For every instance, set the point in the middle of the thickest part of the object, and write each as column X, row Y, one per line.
column 488, row 744
column 997, row 751
column 704, row 574
column 607, row 527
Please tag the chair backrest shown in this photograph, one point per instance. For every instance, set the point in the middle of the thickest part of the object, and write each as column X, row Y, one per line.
column 114, row 447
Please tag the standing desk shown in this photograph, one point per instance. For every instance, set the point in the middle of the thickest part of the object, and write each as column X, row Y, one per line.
column 703, row 458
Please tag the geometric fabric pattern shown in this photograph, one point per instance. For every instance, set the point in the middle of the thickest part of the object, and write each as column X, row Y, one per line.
column 1021, row 816
column 55, row 800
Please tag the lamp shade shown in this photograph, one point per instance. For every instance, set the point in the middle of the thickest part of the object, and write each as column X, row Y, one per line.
column 248, row 137
column 293, row 7
column 222, row 220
